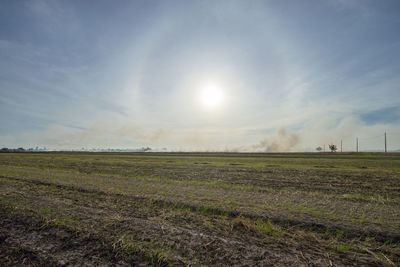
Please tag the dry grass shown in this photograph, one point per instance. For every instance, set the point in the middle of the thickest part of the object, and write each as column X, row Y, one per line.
column 169, row 209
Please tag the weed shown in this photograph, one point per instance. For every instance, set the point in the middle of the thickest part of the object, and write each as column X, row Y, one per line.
column 260, row 226
column 343, row 247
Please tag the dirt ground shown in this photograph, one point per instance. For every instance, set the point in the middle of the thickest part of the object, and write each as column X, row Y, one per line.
column 104, row 209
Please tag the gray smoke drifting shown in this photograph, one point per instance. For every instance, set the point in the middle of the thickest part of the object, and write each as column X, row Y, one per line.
column 130, row 136
column 283, row 141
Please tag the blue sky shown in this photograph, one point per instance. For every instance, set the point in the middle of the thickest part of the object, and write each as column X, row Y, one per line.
column 127, row 74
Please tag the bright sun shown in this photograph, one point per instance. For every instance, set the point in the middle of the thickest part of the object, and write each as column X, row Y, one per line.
column 211, row 96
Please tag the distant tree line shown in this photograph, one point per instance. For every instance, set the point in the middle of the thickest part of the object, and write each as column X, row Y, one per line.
column 332, row 147
column 38, row 149
column 7, row 150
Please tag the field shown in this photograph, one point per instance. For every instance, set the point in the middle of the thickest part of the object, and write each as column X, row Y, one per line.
column 324, row 209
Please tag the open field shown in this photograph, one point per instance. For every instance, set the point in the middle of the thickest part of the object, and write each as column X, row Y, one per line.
column 199, row 209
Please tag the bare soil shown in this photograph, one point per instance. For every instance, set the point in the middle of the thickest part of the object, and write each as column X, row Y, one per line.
column 78, row 209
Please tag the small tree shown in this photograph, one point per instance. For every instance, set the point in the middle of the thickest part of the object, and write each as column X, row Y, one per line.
column 319, row 149
column 333, row 148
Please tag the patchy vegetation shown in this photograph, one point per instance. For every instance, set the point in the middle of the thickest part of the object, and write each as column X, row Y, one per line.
column 199, row 209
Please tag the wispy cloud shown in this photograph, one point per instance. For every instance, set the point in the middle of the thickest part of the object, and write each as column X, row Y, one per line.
column 129, row 74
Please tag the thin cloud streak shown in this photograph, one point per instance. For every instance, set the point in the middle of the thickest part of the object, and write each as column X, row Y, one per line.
column 130, row 73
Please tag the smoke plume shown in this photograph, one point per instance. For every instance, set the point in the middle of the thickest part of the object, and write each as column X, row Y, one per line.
column 283, row 141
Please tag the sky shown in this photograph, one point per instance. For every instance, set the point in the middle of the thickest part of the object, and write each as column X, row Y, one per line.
column 200, row 75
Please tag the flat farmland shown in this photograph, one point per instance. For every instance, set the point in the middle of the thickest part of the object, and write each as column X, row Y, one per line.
column 180, row 209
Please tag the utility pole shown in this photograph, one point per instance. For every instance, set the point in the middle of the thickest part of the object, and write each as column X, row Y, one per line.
column 324, row 147
column 385, row 144
column 341, row 145
column 357, row 144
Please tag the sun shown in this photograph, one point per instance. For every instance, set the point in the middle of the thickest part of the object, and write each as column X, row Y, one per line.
column 211, row 96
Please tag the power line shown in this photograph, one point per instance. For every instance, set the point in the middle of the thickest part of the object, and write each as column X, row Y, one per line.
column 385, row 144
column 367, row 143
column 357, row 144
